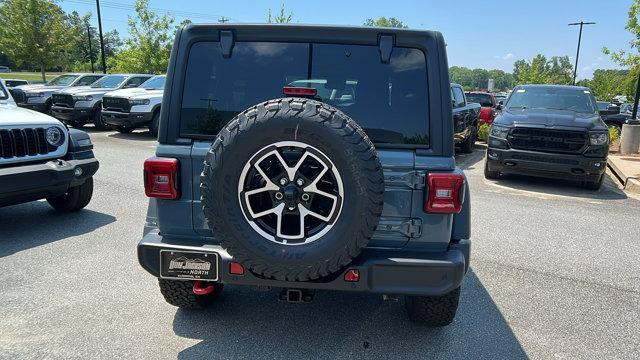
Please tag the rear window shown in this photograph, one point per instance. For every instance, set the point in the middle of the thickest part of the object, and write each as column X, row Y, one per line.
column 388, row 100
column 482, row 99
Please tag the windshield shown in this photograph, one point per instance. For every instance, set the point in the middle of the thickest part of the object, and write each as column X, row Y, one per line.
column 109, row 82
column 389, row 100
column 572, row 99
column 603, row 105
column 63, row 80
column 482, row 99
column 155, row 83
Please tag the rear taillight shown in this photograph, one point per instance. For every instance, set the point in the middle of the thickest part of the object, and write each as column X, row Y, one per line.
column 299, row 91
column 445, row 193
column 161, row 178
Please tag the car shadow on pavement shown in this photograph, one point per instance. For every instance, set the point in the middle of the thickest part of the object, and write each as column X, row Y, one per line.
column 543, row 186
column 608, row 191
column 33, row 224
column 139, row 135
column 250, row 324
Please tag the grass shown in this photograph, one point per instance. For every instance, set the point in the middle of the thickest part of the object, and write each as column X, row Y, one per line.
column 31, row 76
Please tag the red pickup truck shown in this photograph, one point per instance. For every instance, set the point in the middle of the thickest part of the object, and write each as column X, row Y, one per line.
column 487, row 100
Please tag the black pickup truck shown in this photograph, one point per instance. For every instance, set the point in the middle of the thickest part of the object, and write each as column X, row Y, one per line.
column 465, row 119
column 552, row 131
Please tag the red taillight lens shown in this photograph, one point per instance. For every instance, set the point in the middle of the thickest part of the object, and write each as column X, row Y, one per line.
column 352, row 275
column 236, row 268
column 445, row 192
column 299, row 91
column 161, row 178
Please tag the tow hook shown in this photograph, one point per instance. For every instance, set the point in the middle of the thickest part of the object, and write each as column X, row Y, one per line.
column 198, row 289
column 297, row 295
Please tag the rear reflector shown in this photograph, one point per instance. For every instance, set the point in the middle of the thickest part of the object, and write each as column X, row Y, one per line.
column 236, row 268
column 299, row 91
column 352, row 275
column 444, row 193
column 161, row 178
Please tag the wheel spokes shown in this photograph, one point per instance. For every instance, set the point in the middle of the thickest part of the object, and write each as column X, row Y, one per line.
column 289, row 217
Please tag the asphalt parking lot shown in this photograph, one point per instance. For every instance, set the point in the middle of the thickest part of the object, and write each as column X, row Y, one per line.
column 554, row 274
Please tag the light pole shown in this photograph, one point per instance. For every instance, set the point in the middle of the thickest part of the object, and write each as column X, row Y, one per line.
column 90, row 48
column 104, row 62
column 575, row 69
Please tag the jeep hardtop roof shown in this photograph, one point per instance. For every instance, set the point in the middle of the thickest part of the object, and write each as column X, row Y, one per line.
column 386, row 43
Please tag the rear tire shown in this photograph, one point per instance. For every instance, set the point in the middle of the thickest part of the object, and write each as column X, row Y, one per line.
column 467, row 145
column 594, row 185
column 98, row 121
column 155, row 122
column 180, row 293
column 488, row 174
column 76, row 198
column 433, row 310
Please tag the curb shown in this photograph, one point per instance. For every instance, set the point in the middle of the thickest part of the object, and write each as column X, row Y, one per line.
column 628, row 183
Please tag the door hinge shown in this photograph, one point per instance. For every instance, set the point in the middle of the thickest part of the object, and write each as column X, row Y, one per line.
column 411, row 228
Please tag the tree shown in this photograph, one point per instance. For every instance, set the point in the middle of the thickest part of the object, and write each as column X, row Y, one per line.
column 557, row 70
column 79, row 59
column 630, row 60
column 386, row 22
column 478, row 79
column 149, row 44
column 606, row 84
column 281, row 18
column 34, row 31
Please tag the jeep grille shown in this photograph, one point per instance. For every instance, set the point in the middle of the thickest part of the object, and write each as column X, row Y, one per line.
column 23, row 142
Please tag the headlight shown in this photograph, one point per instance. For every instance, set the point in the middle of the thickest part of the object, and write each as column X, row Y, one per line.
column 83, row 98
column 599, row 138
column 500, row 132
column 139, row 102
column 55, row 136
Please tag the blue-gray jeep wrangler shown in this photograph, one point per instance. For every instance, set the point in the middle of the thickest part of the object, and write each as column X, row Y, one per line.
column 305, row 158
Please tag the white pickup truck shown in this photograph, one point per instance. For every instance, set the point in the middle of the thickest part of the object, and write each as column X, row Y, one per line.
column 41, row 159
column 128, row 109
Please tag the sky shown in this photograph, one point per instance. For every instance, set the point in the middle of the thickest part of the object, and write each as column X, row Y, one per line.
column 486, row 34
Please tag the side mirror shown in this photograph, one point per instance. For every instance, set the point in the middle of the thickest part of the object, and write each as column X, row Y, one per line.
column 499, row 106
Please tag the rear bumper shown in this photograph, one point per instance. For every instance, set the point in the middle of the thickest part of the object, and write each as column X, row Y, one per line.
column 381, row 271
column 25, row 183
column 556, row 166
column 71, row 114
column 126, row 119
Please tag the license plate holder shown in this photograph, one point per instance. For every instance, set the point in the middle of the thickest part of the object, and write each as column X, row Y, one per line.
column 189, row 265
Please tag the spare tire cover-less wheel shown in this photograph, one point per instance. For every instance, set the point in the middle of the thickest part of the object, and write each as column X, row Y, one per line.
column 292, row 188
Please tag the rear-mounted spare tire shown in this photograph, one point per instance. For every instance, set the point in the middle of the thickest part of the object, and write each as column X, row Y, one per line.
column 293, row 189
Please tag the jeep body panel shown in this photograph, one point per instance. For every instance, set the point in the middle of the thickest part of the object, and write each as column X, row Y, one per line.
column 405, row 234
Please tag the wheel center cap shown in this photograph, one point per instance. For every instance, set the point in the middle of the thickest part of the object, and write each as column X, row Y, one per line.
column 291, row 194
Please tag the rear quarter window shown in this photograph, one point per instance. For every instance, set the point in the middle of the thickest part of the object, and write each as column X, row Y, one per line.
column 389, row 100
